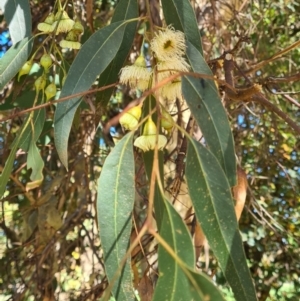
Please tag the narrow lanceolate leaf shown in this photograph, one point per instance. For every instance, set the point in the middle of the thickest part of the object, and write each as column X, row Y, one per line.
column 204, row 101
column 92, row 59
column 180, row 14
column 14, row 59
column 173, row 285
column 36, row 164
column 212, row 200
column 4, row 177
column 115, row 201
column 178, row 279
column 125, row 10
column 18, row 17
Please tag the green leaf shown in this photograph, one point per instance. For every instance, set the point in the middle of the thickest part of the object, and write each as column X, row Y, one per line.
column 18, row 17
column 201, row 286
column 178, row 280
column 172, row 282
column 211, row 196
column 36, row 163
column 4, row 177
column 125, row 10
column 92, row 59
column 14, row 59
column 180, row 14
column 204, row 101
column 116, row 193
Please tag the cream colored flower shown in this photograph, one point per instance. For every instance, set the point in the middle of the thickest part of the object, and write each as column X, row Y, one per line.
column 130, row 119
column 167, row 68
column 168, row 44
column 65, row 24
column 137, row 75
column 171, row 91
column 147, row 141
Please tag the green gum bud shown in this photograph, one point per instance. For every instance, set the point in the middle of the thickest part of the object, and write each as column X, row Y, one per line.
column 72, row 36
column 46, row 61
column 40, row 83
column 166, row 120
column 50, row 91
column 140, row 62
column 150, row 128
column 25, row 69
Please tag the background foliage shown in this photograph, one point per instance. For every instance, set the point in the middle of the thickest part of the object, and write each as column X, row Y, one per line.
column 49, row 241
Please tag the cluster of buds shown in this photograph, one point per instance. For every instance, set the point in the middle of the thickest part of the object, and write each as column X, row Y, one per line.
column 62, row 23
column 41, row 82
column 168, row 47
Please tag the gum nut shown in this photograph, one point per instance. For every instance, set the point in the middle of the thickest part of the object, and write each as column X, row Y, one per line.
column 50, row 91
column 46, row 61
column 40, row 83
column 25, row 69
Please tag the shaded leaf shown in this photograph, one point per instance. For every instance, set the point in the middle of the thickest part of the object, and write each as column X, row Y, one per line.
column 204, row 101
column 180, row 14
column 212, row 200
column 14, row 59
column 125, row 10
column 18, row 17
column 92, row 59
column 11, row 159
column 36, row 163
column 116, row 193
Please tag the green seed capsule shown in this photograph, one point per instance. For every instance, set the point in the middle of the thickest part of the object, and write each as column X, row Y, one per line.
column 25, row 69
column 50, row 91
column 46, row 61
column 40, row 83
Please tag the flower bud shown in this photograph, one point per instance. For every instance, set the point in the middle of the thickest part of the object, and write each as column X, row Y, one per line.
column 50, row 91
column 130, row 119
column 65, row 23
column 149, row 138
column 40, row 83
column 166, row 120
column 150, row 128
column 25, row 69
column 46, row 61
column 78, row 28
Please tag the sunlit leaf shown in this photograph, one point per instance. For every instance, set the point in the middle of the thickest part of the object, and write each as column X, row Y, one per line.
column 116, row 193
column 18, row 17
column 92, row 59
column 213, row 203
column 204, row 101
column 180, row 14
column 172, row 282
column 14, row 59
